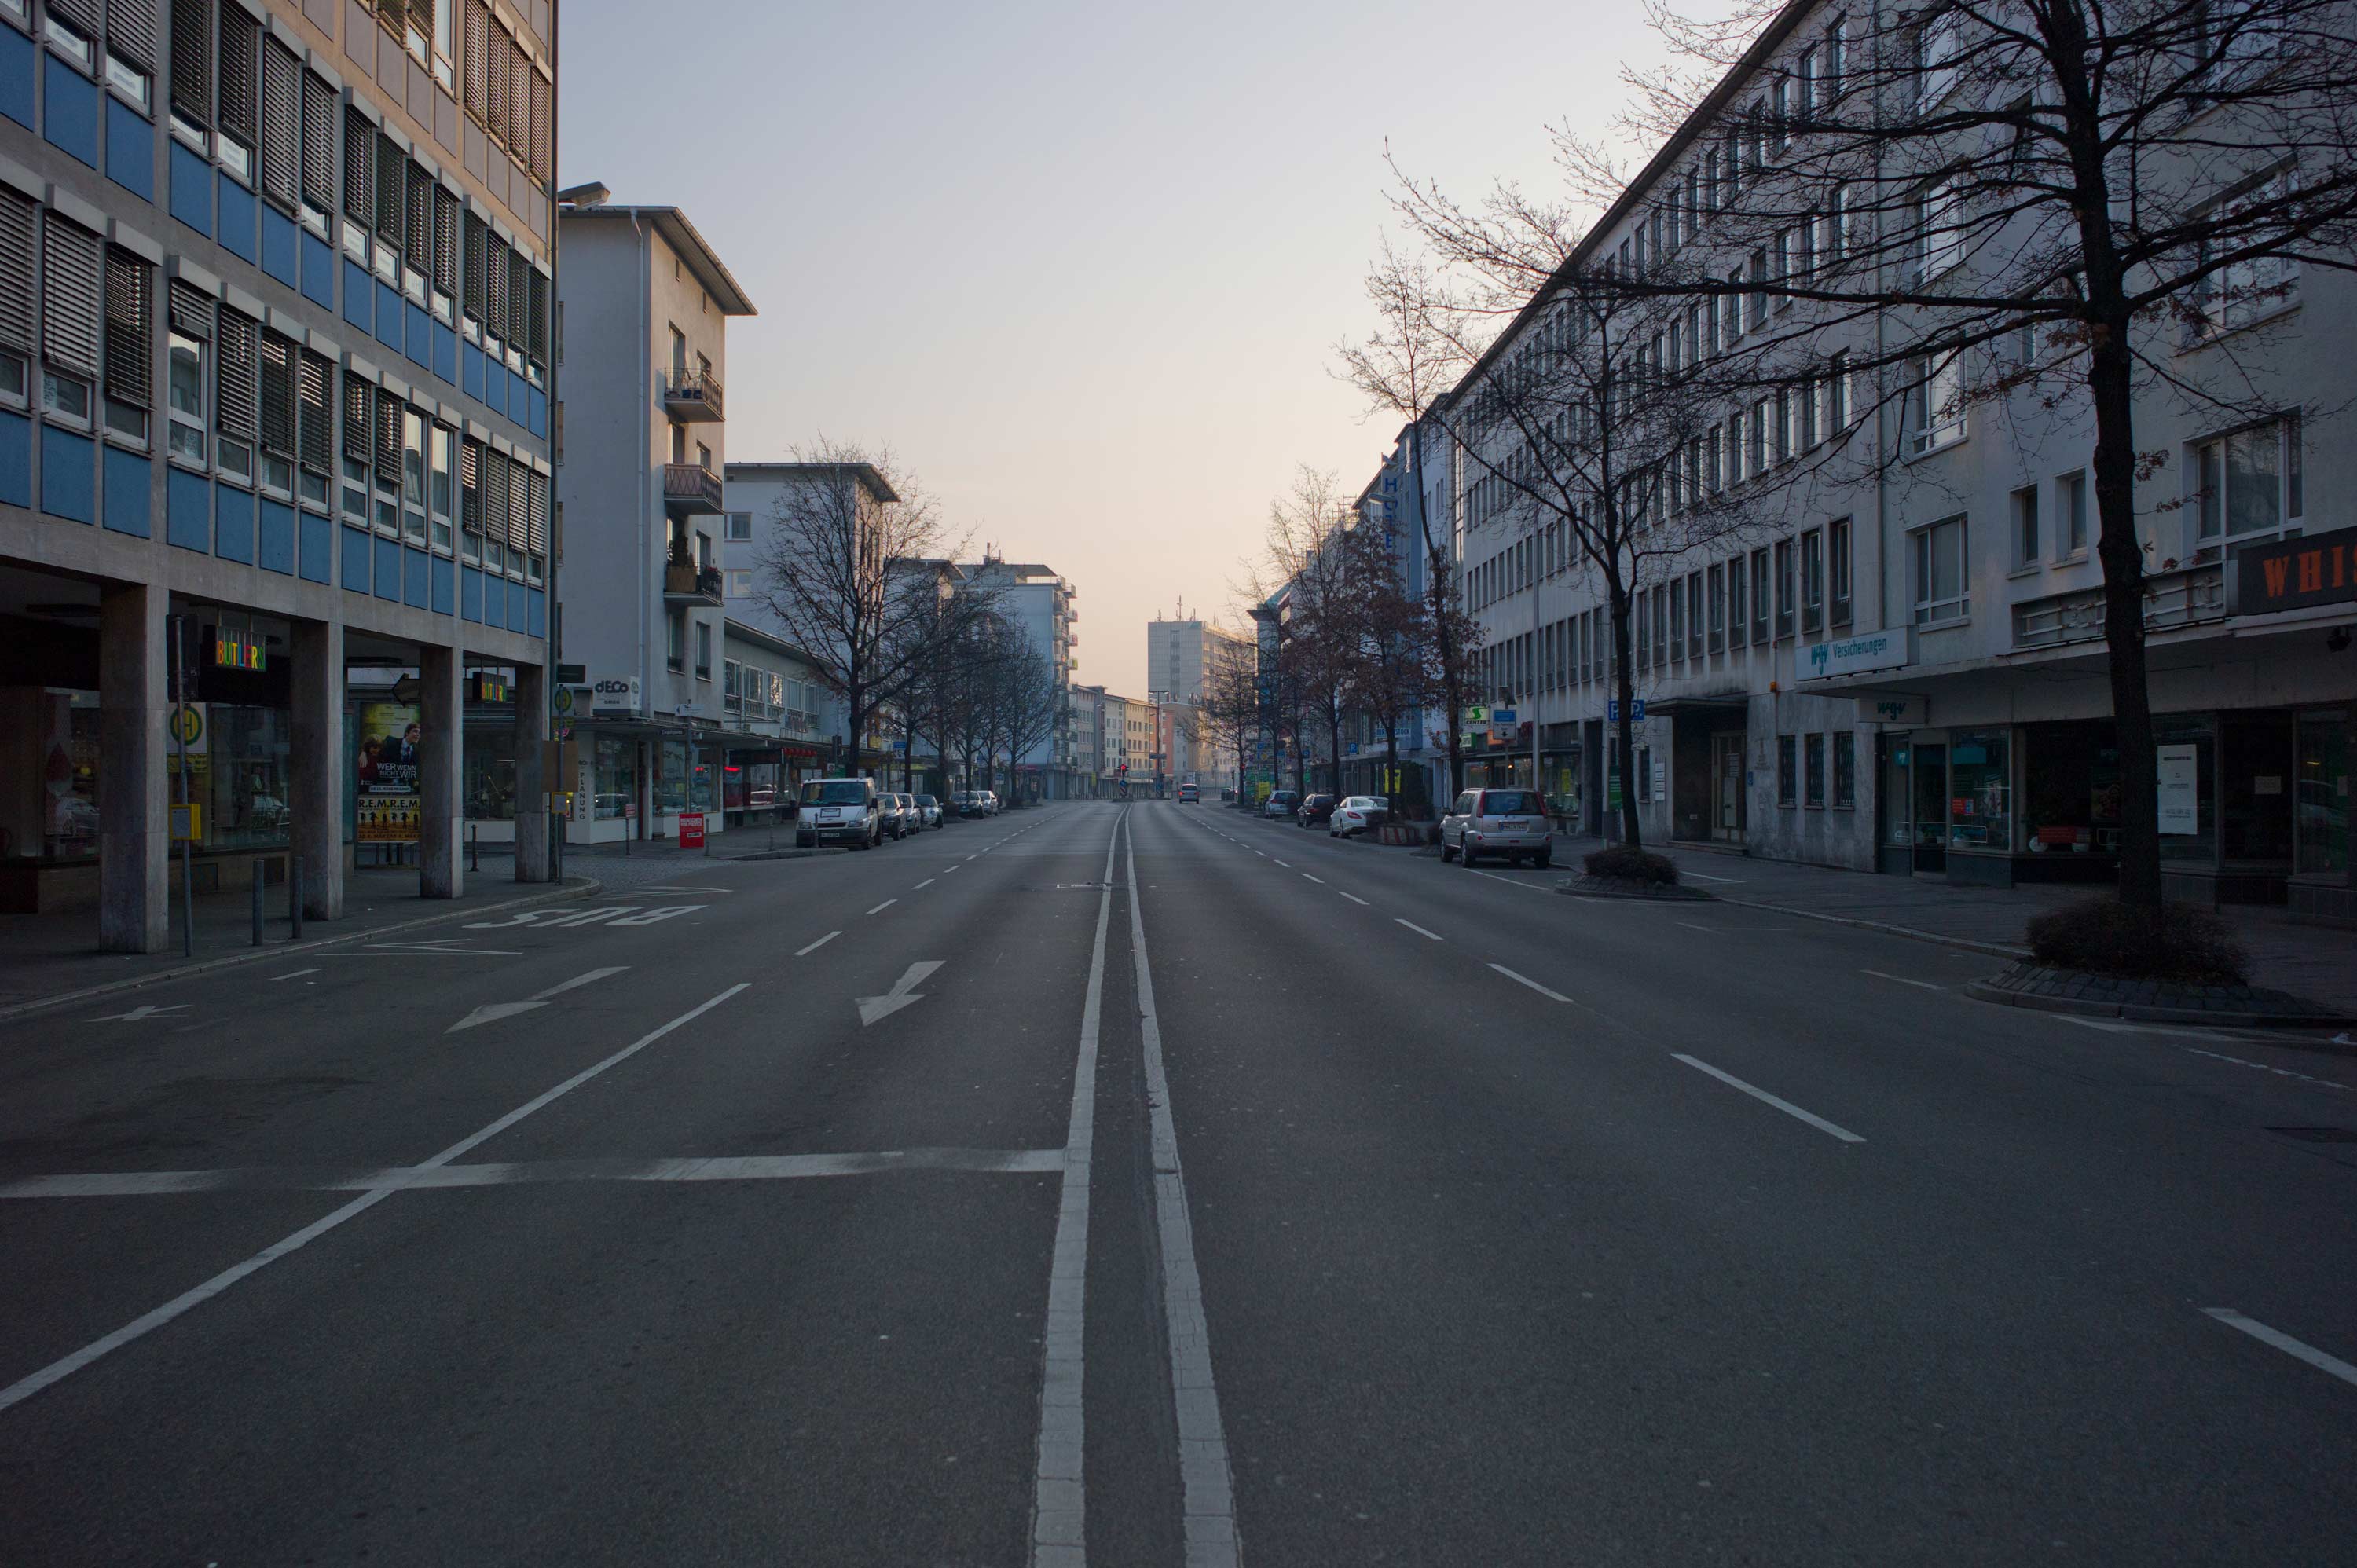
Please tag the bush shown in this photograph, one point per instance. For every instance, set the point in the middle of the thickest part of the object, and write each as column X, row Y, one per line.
column 1629, row 864
column 2175, row 942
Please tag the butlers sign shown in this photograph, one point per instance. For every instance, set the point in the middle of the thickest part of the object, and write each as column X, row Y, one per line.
column 2295, row 573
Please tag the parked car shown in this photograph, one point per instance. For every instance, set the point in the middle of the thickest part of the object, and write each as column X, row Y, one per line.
column 1356, row 814
column 1509, row 824
column 838, row 810
column 1316, row 811
column 929, row 811
column 990, row 802
column 1188, row 795
column 971, row 804
column 1281, row 804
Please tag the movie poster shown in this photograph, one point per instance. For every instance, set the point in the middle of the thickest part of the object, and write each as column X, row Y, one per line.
column 384, row 774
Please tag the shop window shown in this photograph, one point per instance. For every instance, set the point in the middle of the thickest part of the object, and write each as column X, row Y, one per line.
column 617, row 778
column 1844, row 768
column 1980, row 791
column 1941, row 572
column 1788, row 770
column 2247, row 485
column 2071, row 789
column 491, row 780
column 671, row 776
column 248, row 754
column 2320, row 783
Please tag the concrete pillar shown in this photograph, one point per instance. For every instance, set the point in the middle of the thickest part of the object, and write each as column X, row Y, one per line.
column 441, row 773
column 533, row 780
column 134, row 911
column 321, row 766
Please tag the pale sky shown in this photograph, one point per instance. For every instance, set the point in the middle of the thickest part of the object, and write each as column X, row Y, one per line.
column 1082, row 267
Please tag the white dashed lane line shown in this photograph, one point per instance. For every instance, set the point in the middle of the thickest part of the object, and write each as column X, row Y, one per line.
column 1354, row 899
column 1526, row 979
column 2333, row 1365
column 806, row 952
column 1319, row 880
column 1786, row 1106
column 921, row 887
column 884, row 906
column 1419, row 930
column 1923, row 984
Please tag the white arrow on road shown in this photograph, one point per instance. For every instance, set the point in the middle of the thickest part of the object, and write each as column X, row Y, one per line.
column 492, row 1012
column 874, row 1008
column 136, row 1014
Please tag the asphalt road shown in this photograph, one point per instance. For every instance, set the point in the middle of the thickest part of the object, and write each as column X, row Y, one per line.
column 1225, row 1193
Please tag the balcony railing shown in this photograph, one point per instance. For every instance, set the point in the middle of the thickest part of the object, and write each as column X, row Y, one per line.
column 690, row 490
column 690, row 396
column 686, row 584
column 2171, row 599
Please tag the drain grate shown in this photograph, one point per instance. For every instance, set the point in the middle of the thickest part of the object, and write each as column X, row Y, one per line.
column 2318, row 1134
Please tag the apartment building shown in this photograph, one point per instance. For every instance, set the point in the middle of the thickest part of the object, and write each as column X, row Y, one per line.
column 647, row 303
column 1891, row 657
column 779, row 720
column 275, row 370
column 1043, row 605
column 1182, row 655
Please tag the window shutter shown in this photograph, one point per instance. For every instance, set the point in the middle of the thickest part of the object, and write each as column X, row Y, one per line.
column 282, row 124
column 495, row 72
column 130, row 329
column 193, row 310
column 81, row 14
column 538, row 545
column 388, row 436
column 479, row 45
column 360, row 166
column 234, row 376
column 418, row 238
column 470, row 485
column 537, row 346
column 477, row 257
column 519, row 100
column 519, row 299
column 392, row 188
column 543, row 97
column 495, row 497
column 390, row 13
column 446, row 240
column 359, row 418
column 240, row 108
column 495, row 311
column 319, row 144
column 15, row 270
column 277, row 393
column 315, row 420
column 131, row 32
column 192, row 61
column 69, row 269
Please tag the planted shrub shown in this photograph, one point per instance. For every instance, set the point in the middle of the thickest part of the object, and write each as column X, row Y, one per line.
column 2175, row 942
column 1629, row 864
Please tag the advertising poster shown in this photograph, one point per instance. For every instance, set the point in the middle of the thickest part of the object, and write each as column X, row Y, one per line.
column 384, row 774
column 2180, row 801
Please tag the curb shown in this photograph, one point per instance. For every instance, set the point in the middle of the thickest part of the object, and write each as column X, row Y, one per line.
column 1982, row 990
column 588, row 887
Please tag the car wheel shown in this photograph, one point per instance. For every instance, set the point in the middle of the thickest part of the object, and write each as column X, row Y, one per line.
column 1543, row 859
column 1466, row 855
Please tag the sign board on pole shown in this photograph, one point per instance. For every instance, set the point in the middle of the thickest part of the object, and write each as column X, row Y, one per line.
column 1636, row 711
column 691, row 830
column 2180, row 789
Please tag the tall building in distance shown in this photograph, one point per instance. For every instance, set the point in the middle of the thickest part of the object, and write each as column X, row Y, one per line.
column 648, row 304
column 1181, row 656
column 275, row 286
column 1040, row 602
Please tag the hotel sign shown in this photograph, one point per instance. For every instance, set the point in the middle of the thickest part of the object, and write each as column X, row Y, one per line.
column 1859, row 655
column 2295, row 573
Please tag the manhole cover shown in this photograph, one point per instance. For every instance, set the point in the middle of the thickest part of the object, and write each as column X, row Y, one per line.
column 2318, row 1134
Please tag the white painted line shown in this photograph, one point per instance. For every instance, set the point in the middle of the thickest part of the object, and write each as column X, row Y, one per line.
column 65, row 1367
column 1319, row 880
column 975, row 856
column 806, row 952
column 921, row 887
column 884, row 906
column 2284, row 1343
column 430, row 952
column 579, row 980
column 1354, row 899
column 679, row 887
column 295, row 973
column 1706, row 876
column 1419, row 930
column 1206, row 1480
column 1902, row 980
column 1509, row 881
column 1526, row 979
column 1058, row 1487
column 947, row 869
column 1287, row 864
column 1786, row 1106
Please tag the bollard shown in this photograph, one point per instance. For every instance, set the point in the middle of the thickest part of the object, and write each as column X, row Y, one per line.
column 474, row 847
column 295, row 898
column 258, row 878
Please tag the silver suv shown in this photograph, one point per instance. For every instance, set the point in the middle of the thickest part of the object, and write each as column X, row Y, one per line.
column 838, row 810
column 1509, row 824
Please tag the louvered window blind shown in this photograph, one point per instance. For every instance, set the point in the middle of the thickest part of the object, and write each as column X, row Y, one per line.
column 388, row 437
column 192, row 61
column 15, row 270
column 519, row 299
column 234, row 377
column 277, row 393
column 70, row 302
column 538, row 345
column 418, row 238
column 318, row 143
column 360, row 166
column 446, row 240
column 495, row 497
column 470, row 485
column 495, row 68
column 282, row 124
column 130, row 329
column 478, row 254
column 239, row 102
column 519, row 100
column 495, row 310
column 131, row 32
column 392, row 188
column 193, row 310
column 359, row 419
column 479, row 44
column 314, row 417
column 538, row 544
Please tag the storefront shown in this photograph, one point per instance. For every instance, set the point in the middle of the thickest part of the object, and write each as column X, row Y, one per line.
column 759, row 782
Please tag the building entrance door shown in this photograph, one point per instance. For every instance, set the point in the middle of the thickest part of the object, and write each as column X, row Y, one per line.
column 1931, row 768
column 1727, row 801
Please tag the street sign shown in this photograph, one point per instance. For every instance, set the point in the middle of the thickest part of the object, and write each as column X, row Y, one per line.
column 1502, row 715
column 1636, row 711
column 1476, row 715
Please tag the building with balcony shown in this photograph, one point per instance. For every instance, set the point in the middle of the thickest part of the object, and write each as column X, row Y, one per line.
column 647, row 303
column 780, row 720
column 1044, row 605
column 275, row 369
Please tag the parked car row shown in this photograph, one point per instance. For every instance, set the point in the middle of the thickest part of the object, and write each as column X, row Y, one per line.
column 854, row 811
column 1504, row 824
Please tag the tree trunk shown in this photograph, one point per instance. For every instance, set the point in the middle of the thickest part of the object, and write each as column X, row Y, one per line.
column 2116, row 545
column 1391, row 767
column 1624, row 682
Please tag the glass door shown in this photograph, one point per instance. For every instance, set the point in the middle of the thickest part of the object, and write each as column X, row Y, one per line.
column 1931, row 798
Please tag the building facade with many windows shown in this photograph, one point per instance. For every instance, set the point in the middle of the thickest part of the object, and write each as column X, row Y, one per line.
column 275, row 362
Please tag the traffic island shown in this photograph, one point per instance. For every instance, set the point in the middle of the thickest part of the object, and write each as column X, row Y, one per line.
column 2149, row 1001
column 1618, row 871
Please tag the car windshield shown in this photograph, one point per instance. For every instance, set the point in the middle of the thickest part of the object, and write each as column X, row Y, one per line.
column 835, row 792
column 927, row 801
column 1509, row 803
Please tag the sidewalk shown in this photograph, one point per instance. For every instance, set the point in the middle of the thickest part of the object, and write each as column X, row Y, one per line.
column 2314, row 962
column 45, row 958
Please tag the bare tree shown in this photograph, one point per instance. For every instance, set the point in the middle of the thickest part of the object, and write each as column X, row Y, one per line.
column 852, row 575
column 1229, row 715
column 1307, row 555
column 2075, row 208
column 1389, row 667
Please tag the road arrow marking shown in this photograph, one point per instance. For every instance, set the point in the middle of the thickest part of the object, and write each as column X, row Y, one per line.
column 492, row 1012
column 874, row 1008
column 136, row 1014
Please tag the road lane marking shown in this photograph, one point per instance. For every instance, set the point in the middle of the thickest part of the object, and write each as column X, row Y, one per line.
column 1354, row 899
column 492, row 1012
column 947, row 869
column 806, row 952
column 1533, row 984
column 1287, row 864
column 66, row 1366
column 295, row 973
column 669, row 888
column 921, row 887
column 1058, row 1486
column 884, row 906
column 1319, row 880
column 1902, row 980
column 1706, row 876
column 1419, row 930
column 2284, row 1343
column 1786, row 1106
column 141, row 1014
column 902, row 994
column 1206, row 1480
column 1509, row 881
